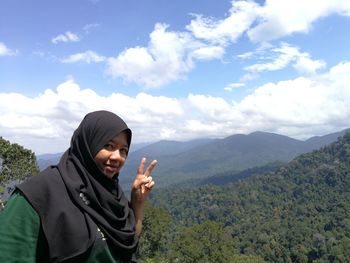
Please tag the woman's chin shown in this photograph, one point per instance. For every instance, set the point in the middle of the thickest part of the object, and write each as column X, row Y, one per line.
column 110, row 172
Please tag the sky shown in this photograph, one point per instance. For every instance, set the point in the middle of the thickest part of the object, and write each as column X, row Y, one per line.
column 173, row 70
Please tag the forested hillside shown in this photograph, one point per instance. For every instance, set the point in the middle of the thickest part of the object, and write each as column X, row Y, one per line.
column 197, row 159
column 16, row 163
column 178, row 162
column 299, row 213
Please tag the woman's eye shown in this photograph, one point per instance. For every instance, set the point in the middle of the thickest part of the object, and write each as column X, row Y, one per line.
column 109, row 146
column 124, row 151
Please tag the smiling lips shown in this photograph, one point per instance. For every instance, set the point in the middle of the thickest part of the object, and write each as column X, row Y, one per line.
column 111, row 168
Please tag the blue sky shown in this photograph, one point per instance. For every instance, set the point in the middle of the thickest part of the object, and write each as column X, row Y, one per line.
column 175, row 70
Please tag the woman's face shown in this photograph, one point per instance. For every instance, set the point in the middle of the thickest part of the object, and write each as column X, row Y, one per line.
column 111, row 158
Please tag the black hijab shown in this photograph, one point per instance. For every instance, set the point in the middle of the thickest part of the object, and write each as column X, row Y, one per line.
column 68, row 223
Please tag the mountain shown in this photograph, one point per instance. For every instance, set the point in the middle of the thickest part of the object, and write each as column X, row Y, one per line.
column 230, row 176
column 316, row 141
column 169, row 148
column 196, row 159
column 46, row 160
column 231, row 154
column 298, row 213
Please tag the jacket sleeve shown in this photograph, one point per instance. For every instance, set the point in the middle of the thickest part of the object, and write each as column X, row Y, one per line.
column 19, row 231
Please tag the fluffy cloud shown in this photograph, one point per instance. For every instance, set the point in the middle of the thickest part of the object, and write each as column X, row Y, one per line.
column 45, row 122
column 272, row 20
column 51, row 117
column 305, row 65
column 66, row 37
column 167, row 58
column 87, row 57
column 282, row 57
column 283, row 107
column 5, row 51
column 207, row 53
column 241, row 15
column 280, row 18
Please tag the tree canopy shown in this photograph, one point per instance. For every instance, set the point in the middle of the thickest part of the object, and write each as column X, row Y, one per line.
column 298, row 213
column 16, row 163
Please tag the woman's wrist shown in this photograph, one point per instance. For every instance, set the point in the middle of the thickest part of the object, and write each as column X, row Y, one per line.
column 137, row 206
column 138, row 213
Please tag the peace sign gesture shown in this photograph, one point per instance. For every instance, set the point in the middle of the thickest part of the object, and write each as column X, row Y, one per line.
column 143, row 182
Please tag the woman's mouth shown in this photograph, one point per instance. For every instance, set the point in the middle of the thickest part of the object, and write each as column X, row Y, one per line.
column 111, row 169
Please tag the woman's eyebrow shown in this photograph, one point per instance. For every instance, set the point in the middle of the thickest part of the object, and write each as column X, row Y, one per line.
column 116, row 142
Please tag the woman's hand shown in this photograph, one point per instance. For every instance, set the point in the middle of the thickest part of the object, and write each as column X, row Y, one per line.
column 140, row 190
column 143, row 183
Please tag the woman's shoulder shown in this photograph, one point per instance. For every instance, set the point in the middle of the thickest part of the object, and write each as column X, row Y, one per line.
column 40, row 187
column 45, row 180
column 18, row 215
column 19, row 202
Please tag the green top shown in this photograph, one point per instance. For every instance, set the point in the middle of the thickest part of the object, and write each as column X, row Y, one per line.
column 21, row 238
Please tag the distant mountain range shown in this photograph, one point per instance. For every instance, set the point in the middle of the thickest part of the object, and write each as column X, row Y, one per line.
column 198, row 159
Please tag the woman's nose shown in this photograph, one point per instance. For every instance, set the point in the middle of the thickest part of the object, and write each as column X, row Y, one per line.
column 116, row 154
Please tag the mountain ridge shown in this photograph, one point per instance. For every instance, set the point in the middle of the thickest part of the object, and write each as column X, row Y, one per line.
column 179, row 161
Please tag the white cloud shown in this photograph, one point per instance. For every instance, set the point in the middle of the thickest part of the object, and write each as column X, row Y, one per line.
column 166, row 133
column 284, row 107
column 167, row 58
column 233, row 86
column 46, row 122
column 241, row 15
column 306, row 65
column 245, row 55
column 87, row 57
column 282, row 57
column 278, row 18
column 262, row 23
column 5, row 51
column 285, row 54
column 66, row 37
column 207, row 53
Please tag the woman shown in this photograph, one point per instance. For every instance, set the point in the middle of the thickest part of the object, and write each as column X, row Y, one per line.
column 76, row 211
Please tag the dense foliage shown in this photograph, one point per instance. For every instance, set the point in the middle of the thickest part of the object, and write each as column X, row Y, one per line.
column 299, row 213
column 164, row 242
column 16, row 163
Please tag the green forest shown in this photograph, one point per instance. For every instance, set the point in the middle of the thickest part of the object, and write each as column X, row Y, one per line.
column 294, row 212
column 298, row 213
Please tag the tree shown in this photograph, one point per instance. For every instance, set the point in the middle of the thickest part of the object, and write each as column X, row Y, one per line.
column 16, row 163
column 207, row 242
column 154, row 234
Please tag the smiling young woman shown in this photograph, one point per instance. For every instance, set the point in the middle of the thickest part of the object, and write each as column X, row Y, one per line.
column 76, row 211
